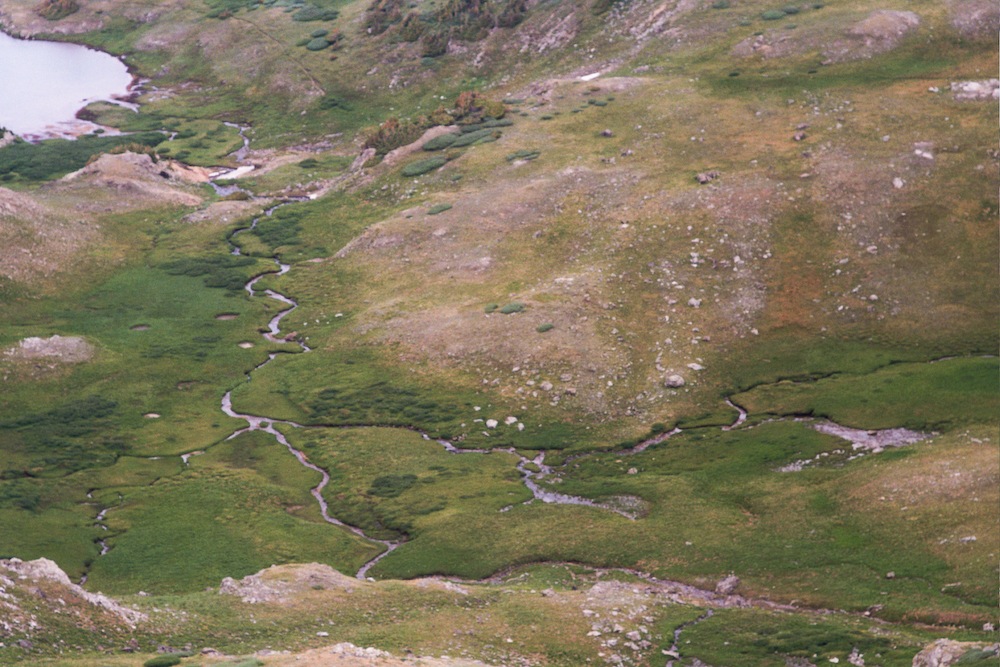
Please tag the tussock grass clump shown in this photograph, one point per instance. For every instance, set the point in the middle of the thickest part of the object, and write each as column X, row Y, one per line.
column 439, row 208
column 491, row 307
column 513, row 307
column 542, row 328
column 773, row 15
column 422, row 167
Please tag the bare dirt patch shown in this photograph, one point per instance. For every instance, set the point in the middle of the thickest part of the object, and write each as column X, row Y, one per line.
column 133, row 179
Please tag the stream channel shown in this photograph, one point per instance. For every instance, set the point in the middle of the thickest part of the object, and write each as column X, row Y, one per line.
column 532, row 470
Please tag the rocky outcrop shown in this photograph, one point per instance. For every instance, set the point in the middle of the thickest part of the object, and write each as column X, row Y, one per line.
column 879, row 32
column 279, row 583
column 45, row 570
column 974, row 91
column 944, row 652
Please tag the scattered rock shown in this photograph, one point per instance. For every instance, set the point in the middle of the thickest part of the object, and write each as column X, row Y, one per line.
column 491, row 423
column 968, row 91
column 674, row 380
column 890, row 575
column 898, row 183
column 799, row 136
column 63, row 349
column 545, row 386
column 924, row 149
column 706, row 177
column 728, row 585
column 607, row 133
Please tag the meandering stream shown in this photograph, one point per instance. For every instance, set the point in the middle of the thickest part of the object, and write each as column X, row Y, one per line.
column 532, row 470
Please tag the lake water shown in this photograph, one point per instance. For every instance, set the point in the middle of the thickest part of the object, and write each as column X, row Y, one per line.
column 44, row 84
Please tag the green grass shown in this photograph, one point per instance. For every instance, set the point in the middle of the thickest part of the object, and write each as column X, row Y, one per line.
column 188, row 531
column 47, row 160
column 964, row 391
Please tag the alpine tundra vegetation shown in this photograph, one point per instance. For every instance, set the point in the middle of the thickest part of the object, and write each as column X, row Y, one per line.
column 506, row 332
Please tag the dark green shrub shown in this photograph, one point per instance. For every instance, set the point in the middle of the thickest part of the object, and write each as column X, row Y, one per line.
column 423, row 166
column 391, row 486
column 394, row 133
column 773, row 15
column 441, row 142
column 523, row 155
column 57, row 157
column 309, row 163
column 790, row 9
column 721, row 4
column 53, row 10
column 434, row 44
column 334, row 102
column 542, row 328
column 311, row 13
column 319, row 32
column 439, row 208
column 317, row 44
column 602, row 6
column 513, row 307
column 217, row 271
column 475, row 137
column 162, row 661
column 491, row 307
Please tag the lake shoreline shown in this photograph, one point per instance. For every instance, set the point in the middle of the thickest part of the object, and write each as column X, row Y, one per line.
column 61, row 122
